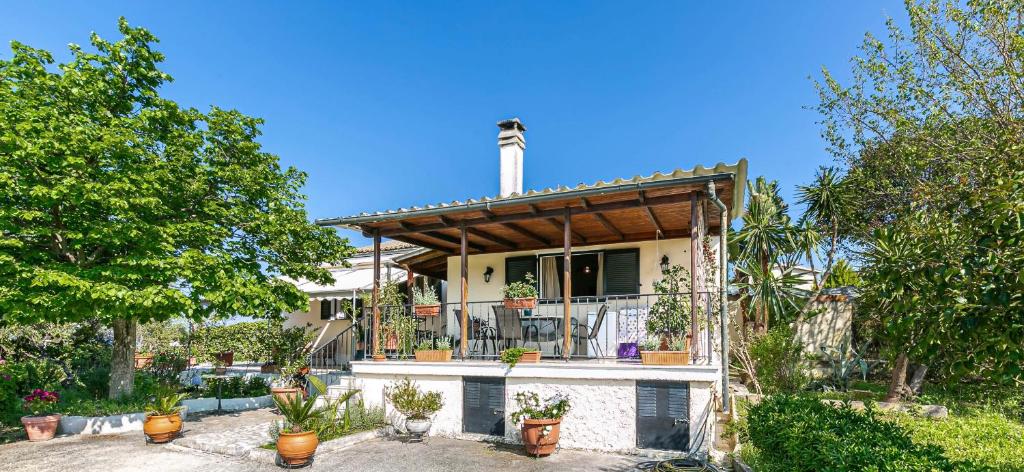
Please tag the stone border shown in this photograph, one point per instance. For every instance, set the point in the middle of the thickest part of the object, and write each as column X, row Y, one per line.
column 199, row 405
column 270, row 456
column 113, row 424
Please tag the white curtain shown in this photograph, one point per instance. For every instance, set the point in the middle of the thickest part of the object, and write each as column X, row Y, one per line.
column 550, row 287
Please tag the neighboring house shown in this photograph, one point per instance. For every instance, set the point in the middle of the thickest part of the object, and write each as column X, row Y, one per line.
column 332, row 307
column 596, row 252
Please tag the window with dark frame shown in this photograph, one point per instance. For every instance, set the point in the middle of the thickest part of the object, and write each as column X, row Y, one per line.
column 620, row 269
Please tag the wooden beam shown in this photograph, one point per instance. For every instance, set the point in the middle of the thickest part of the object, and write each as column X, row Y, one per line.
column 567, row 284
column 464, row 294
column 650, row 212
column 493, row 238
column 412, row 238
column 535, row 212
column 375, row 297
column 527, row 233
column 449, row 239
column 608, row 225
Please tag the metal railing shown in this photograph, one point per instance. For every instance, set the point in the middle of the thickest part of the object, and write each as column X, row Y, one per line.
column 601, row 328
column 333, row 357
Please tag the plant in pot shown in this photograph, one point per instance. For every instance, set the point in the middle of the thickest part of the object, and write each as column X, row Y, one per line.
column 143, row 360
column 297, row 440
column 290, row 384
column 418, row 407
column 163, row 418
column 515, row 355
column 41, row 423
column 226, row 357
column 521, row 294
column 668, row 320
column 541, row 421
column 437, row 350
column 219, row 368
column 425, row 302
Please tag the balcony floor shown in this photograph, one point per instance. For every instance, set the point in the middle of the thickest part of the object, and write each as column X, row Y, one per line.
column 593, row 369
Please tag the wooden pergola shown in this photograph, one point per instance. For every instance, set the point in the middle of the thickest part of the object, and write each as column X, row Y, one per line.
column 661, row 206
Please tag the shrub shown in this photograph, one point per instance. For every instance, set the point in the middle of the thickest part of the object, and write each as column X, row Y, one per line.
column 804, row 434
column 778, row 357
column 236, row 387
column 406, row 397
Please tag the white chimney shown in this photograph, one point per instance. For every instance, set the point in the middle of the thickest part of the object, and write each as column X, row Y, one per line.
column 511, row 145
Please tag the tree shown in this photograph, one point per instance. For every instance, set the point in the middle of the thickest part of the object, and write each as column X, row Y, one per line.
column 929, row 131
column 122, row 206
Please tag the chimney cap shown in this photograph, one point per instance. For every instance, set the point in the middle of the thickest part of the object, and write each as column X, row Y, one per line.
column 513, row 123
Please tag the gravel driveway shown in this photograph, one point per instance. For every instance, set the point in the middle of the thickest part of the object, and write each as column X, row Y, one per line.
column 128, row 452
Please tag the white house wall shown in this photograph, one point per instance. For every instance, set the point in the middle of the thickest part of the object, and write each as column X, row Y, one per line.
column 326, row 329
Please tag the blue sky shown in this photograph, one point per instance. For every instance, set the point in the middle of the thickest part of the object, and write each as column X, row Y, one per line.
column 389, row 104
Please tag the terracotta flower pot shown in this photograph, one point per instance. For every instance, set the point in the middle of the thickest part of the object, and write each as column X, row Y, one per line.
column 427, row 310
column 297, row 448
column 380, row 357
column 41, row 428
column 392, row 342
column 540, row 436
column 520, row 303
column 303, row 370
column 162, row 428
column 284, row 393
column 665, row 357
column 433, row 355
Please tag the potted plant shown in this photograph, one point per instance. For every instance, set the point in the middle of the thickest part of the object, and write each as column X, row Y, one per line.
column 515, row 355
column 291, row 383
column 143, row 360
column 425, row 302
column 418, row 407
column 541, row 422
column 226, row 357
column 437, row 350
column 41, row 423
column 677, row 352
column 163, row 418
column 668, row 320
column 521, row 294
column 296, row 440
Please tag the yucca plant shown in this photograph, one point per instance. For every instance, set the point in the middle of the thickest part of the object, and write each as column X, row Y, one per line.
column 167, row 404
column 299, row 414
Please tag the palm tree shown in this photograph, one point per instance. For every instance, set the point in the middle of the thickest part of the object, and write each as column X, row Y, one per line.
column 827, row 201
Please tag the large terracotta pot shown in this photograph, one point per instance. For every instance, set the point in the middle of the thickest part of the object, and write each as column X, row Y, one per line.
column 520, row 303
column 427, row 310
column 540, row 436
column 297, row 448
column 40, row 428
column 162, row 428
column 379, row 357
column 227, row 357
column 143, row 360
column 284, row 393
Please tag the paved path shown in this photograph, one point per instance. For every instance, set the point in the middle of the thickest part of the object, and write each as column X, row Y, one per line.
column 129, row 452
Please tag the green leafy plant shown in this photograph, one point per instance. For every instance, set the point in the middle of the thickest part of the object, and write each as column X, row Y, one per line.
column 678, row 344
column 336, row 420
column 521, row 289
column 530, row 407
column 778, row 361
column 443, row 344
column 650, row 344
column 166, row 404
column 669, row 316
column 844, row 362
column 406, row 397
column 512, row 355
column 300, row 414
column 425, row 296
column 438, row 344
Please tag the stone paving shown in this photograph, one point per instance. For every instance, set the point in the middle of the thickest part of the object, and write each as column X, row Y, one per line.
column 232, row 442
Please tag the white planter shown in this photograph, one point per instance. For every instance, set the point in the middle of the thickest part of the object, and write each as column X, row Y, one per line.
column 417, row 427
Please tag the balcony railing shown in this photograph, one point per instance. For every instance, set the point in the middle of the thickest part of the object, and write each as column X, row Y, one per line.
column 600, row 328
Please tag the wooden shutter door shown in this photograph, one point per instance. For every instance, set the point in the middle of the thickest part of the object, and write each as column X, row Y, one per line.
column 483, row 405
column 663, row 415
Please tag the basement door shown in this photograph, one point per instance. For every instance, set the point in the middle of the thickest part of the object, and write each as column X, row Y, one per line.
column 483, row 405
column 663, row 415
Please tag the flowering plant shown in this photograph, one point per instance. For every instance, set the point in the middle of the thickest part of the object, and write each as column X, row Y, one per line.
column 40, row 401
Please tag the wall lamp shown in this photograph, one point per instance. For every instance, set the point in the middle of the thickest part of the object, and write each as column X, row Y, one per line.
column 488, row 273
column 664, row 264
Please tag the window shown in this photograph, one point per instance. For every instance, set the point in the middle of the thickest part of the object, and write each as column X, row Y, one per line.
column 594, row 274
column 327, row 309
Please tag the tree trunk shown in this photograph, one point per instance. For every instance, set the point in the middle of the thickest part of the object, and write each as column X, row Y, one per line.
column 898, row 383
column 917, row 378
column 122, row 362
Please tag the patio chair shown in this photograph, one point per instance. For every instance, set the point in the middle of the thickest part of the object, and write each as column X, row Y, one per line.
column 478, row 333
column 511, row 330
column 591, row 332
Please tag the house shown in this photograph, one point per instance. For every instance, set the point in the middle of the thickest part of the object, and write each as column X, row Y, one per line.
column 332, row 308
column 596, row 252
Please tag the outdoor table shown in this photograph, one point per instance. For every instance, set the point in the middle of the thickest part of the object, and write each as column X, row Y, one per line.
column 220, row 385
column 541, row 321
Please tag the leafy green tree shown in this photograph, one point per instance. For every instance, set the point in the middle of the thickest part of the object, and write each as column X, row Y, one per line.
column 122, row 206
column 929, row 129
